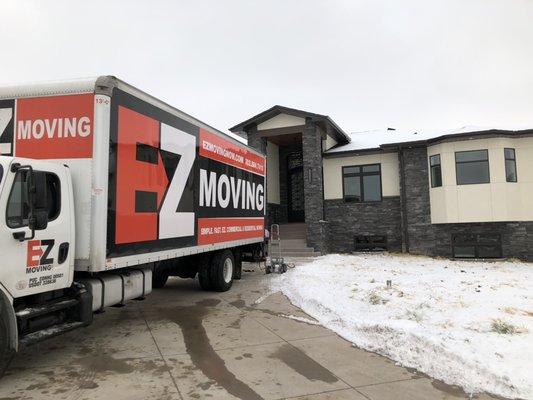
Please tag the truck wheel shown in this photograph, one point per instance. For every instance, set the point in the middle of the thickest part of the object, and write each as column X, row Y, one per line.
column 6, row 353
column 222, row 266
column 237, row 271
column 205, row 279
column 159, row 279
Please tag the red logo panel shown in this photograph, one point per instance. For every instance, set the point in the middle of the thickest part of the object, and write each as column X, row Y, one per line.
column 216, row 148
column 55, row 127
column 216, row 230
column 134, row 176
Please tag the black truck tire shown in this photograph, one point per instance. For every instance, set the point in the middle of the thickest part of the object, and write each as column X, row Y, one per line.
column 237, row 271
column 204, row 277
column 6, row 353
column 221, row 270
column 159, row 278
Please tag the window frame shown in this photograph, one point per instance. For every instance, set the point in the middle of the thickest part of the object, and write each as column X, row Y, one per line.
column 505, row 159
column 59, row 204
column 477, row 241
column 433, row 185
column 361, row 182
column 472, row 162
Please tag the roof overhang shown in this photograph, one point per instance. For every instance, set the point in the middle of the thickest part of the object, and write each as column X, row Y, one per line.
column 324, row 121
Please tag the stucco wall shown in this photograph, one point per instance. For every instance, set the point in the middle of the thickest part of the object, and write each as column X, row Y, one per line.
column 272, row 173
column 389, row 173
column 281, row 121
column 329, row 142
column 489, row 202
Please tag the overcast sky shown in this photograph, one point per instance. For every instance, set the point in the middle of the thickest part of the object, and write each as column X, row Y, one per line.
column 367, row 64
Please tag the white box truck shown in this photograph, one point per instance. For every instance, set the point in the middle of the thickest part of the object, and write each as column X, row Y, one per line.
column 105, row 191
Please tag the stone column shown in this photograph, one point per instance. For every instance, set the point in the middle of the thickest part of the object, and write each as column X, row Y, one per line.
column 313, row 185
column 255, row 141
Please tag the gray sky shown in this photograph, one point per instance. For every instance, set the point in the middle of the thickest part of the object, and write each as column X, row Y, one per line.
column 367, row 64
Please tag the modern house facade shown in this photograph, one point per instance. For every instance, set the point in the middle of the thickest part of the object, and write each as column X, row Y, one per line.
column 465, row 193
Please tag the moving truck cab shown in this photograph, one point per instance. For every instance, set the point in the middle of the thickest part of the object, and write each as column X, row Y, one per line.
column 105, row 192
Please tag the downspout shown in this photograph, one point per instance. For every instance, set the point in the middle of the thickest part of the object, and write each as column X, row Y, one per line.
column 403, row 203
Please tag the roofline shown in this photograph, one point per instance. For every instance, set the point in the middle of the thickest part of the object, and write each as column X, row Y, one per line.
column 290, row 111
column 428, row 142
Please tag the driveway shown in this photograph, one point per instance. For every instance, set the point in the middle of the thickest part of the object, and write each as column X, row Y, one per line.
column 183, row 343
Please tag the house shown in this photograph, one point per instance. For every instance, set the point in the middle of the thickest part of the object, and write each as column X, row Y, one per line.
column 463, row 193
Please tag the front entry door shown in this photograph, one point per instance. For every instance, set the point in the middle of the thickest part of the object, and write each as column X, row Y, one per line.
column 295, row 187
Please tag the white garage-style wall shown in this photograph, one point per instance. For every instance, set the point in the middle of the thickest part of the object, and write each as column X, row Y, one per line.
column 488, row 202
column 390, row 175
column 272, row 173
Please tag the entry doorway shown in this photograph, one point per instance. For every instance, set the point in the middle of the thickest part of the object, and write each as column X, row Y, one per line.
column 295, row 187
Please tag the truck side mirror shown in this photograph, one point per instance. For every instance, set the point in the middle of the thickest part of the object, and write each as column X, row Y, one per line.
column 39, row 197
column 39, row 189
column 39, row 220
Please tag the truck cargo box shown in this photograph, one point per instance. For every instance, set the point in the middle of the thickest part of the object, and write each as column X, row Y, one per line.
column 150, row 182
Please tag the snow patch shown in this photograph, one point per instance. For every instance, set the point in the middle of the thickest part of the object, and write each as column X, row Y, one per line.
column 437, row 316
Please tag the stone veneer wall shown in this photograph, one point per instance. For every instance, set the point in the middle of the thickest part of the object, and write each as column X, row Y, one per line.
column 435, row 239
column 313, row 186
column 346, row 220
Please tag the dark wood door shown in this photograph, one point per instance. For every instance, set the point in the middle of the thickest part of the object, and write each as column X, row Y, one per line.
column 295, row 187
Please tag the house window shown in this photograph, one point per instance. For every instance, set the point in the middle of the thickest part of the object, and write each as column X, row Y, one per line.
column 510, row 165
column 472, row 167
column 361, row 183
column 488, row 245
column 436, row 173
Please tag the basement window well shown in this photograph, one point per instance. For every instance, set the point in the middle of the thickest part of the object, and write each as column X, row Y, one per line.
column 487, row 245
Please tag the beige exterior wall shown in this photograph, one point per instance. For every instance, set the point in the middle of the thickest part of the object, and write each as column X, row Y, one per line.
column 489, row 202
column 390, row 175
column 329, row 143
column 272, row 173
column 281, row 121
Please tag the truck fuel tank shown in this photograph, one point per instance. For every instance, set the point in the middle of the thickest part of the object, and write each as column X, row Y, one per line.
column 109, row 289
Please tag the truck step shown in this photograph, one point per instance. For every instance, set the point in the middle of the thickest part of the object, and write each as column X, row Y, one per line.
column 52, row 331
column 32, row 312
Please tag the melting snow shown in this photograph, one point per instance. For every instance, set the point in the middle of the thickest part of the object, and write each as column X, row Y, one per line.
column 437, row 315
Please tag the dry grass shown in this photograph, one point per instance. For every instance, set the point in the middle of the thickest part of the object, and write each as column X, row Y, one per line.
column 503, row 328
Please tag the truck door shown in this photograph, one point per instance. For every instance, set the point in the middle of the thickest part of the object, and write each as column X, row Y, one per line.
column 44, row 262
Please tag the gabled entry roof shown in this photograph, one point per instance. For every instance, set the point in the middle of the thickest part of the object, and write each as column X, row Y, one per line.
column 327, row 123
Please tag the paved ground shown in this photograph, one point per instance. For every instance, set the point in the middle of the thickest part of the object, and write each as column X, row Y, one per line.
column 182, row 343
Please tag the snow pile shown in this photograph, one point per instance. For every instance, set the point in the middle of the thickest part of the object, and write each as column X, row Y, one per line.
column 438, row 316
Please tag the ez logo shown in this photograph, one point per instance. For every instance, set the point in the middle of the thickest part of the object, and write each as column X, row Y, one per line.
column 39, row 255
column 6, row 134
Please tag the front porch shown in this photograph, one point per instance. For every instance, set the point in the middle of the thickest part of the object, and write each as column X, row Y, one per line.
column 293, row 141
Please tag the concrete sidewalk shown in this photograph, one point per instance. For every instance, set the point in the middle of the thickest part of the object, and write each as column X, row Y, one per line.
column 183, row 343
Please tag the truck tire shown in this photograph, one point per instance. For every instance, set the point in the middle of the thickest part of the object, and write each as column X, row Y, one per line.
column 237, row 271
column 221, row 270
column 159, row 279
column 6, row 353
column 204, row 277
